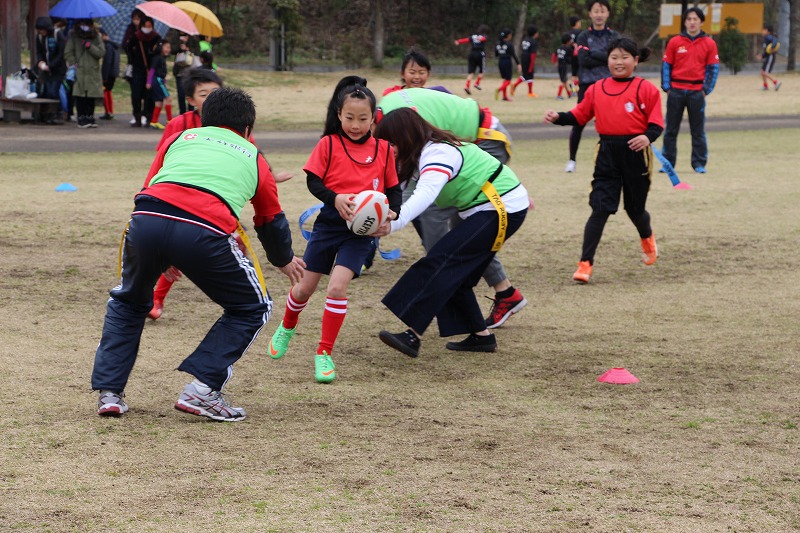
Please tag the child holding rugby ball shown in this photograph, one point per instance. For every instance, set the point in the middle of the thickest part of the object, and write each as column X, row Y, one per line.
column 346, row 161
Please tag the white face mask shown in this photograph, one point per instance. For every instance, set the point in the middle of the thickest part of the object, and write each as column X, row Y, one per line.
column 85, row 28
column 146, row 30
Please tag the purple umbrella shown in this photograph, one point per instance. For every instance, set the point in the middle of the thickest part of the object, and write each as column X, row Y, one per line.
column 82, row 9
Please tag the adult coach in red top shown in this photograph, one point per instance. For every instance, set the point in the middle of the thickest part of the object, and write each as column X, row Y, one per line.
column 184, row 217
column 689, row 74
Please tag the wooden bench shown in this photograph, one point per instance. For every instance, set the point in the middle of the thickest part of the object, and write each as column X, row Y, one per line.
column 39, row 107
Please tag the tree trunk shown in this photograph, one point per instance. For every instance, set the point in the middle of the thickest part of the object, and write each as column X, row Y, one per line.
column 379, row 35
column 520, row 30
column 793, row 23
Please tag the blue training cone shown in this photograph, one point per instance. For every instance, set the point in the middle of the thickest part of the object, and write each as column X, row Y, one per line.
column 66, row 187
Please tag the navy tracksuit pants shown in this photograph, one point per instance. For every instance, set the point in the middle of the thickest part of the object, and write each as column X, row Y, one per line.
column 695, row 104
column 161, row 236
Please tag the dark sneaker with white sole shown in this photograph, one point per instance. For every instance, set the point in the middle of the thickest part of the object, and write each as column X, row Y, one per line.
column 474, row 343
column 406, row 342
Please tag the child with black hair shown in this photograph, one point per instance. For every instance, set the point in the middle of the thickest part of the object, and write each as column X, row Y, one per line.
column 414, row 71
column 628, row 118
column 207, row 60
column 110, row 71
column 346, row 161
column 564, row 55
column 157, row 84
column 506, row 57
column 528, row 50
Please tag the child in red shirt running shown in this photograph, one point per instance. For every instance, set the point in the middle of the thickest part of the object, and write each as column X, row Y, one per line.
column 628, row 119
column 346, row 161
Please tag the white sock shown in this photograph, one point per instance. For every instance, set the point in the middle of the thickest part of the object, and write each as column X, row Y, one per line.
column 201, row 387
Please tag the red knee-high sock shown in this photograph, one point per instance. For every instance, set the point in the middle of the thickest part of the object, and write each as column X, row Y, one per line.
column 478, row 79
column 560, row 89
column 168, row 110
column 156, row 112
column 530, row 87
column 519, row 80
column 162, row 288
column 108, row 102
column 504, row 87
column 293, row 310
column 468, row 82
column 332, row 319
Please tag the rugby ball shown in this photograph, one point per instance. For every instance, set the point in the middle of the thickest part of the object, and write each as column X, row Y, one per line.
column 371, row 210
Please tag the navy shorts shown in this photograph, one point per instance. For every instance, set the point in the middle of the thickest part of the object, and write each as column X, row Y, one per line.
column 476, row 62
column 331, row 243
column 158, row 90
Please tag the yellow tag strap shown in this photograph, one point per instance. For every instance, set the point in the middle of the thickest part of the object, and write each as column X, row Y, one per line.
column 487, row 134
column 247, row 245
column 121, row 247
column 502, row 215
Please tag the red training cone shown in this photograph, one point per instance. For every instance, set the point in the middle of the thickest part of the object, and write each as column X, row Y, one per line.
column 618, row 376
column 683, row 186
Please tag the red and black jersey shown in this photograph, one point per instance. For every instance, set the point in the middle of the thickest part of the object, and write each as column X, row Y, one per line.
column 688, row 58
column 527, row 53
column 621, row 107
column 348, row 167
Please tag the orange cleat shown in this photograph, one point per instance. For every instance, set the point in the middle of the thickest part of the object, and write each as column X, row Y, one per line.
column 584, row 272
column 533, row 95
column 649, row 250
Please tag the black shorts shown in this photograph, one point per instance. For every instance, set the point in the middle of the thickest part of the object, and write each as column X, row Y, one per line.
column 506, row 69
column 562, row 72
column 158, row 90
column 768, row 63
column 619, row 171
column 476, row 62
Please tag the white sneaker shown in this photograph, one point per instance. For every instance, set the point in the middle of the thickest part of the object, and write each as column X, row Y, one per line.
column 111, row 404
column 144, row 120
column 211, row 404
column 133, row 121
column 570, row 166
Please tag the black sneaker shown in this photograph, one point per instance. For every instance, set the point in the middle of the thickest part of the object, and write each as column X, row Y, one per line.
column 406, row 342
column 474, row 343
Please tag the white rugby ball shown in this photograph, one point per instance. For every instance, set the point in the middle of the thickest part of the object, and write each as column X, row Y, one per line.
column 371, row 210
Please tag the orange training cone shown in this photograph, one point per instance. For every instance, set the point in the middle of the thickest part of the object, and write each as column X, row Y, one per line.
column 618, row 376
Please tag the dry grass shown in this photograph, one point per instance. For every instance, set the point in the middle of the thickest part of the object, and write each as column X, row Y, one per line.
column 522, row 440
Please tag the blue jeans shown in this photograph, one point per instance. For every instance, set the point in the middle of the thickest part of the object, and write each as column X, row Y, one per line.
column 695, row 104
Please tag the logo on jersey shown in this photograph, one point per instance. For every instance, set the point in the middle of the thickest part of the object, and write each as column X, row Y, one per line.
column 682, row 50
column 375, row 183
column 368, row 159
column 190, row 137
column 629, row 107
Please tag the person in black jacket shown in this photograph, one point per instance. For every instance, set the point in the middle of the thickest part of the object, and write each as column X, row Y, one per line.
column 50, row 65
column 141, row 49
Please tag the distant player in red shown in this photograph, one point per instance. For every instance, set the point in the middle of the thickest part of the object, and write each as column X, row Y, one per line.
column 476, row 60
column 414, row 71
column 346, row 161
column 627, row 110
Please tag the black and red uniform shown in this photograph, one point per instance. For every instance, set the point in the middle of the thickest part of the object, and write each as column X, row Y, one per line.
column 623, row 109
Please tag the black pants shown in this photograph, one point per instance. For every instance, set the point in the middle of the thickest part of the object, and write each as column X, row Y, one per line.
column 577, row 131
column 441, row 284
column 619, row 172
column 84, row 107
column 139, row 94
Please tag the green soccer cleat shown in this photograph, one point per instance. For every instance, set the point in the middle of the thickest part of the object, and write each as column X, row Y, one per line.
column 324, row 369
column 279, row 344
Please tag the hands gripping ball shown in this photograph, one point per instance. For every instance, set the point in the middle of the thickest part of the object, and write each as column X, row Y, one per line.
column 371, row 210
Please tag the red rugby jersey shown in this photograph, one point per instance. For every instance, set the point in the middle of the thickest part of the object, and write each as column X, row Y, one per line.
column 348, row 167
column 621, row 106
column 689, row 58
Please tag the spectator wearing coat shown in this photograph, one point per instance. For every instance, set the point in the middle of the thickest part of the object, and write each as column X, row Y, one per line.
column 85, row 50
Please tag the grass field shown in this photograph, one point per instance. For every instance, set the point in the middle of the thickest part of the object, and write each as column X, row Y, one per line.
column 524, row 439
